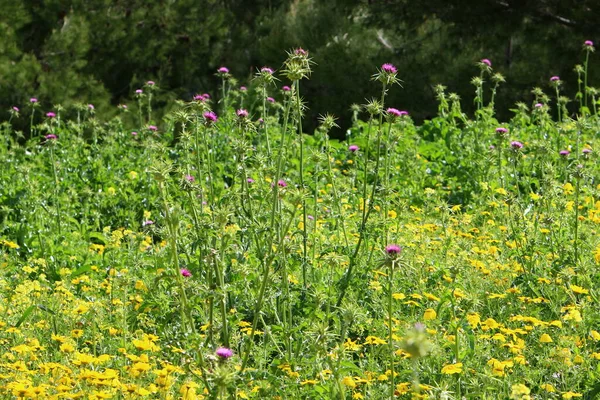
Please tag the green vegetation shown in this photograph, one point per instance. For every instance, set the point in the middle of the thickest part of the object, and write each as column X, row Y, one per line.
column 227, row 254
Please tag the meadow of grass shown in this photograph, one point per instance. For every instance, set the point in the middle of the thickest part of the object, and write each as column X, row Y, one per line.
column 224, row 254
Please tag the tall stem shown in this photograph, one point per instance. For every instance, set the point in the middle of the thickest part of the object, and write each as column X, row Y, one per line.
column 585, row 76
column 304, row 227
column 390, row 330
column 264, row 118
column 56, row 189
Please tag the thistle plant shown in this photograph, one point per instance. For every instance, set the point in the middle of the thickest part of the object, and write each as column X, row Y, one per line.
column 265, row 78
column 297, row 67
column 34, row 104
column 556, row 83
column 223, row 73
column 150, row 88
column 588, row 47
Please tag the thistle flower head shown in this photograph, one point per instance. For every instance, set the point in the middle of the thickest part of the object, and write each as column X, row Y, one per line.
column 554, row 78
column 387, row 75
column 564, row 153
column 223, row 71
column 224, row 353
column 389, row 68
column 33, row 100
column 297, row 65
column 50, row 114
column 373, row 107
column 327, row 122
column 393, row 250
column 486, row 62
column 588, row 45
column 186, row 273
column 210, row 117
column 516, row 145
column 51, row 137
column 242, row 113
column 393, row 113
column 353, row 148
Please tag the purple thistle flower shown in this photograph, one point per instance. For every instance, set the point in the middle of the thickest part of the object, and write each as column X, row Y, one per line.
column 148, row 222
column 394, row 112
column 243, row 88
column 486, row 62
column 310, row 217
column 393, row 249
column 270, row 100
column 516, row 145
column 139, row 91
column 501, row 130
column 554, row 78
column 250, row 180
column 403, row 113
column 150, row 83
column 281, row 183
column 186, row 273
column 190, row 178
column 300, row 52
column 152, row 128
column 33, row 100
column 492, row 147
column 15, row 109
column 50, row 114
column 242, row 113
column 210, row 117
column 588, row 43
column 389, row 68
column 539, row 105
column 286, row 88
column 224, row 353
column 91, row 106
column 564, row 153
column 267, row 70
column 353, row 148
column 51, row 137
column 134, row 133
column 586, row 151
column 223, row 70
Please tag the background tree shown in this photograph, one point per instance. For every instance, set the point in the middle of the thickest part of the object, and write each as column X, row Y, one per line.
column 75, row 51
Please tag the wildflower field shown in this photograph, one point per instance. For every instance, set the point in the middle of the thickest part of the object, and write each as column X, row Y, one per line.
column 221, row 253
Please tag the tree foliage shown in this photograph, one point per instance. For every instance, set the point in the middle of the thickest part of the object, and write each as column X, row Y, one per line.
column 75, row 51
